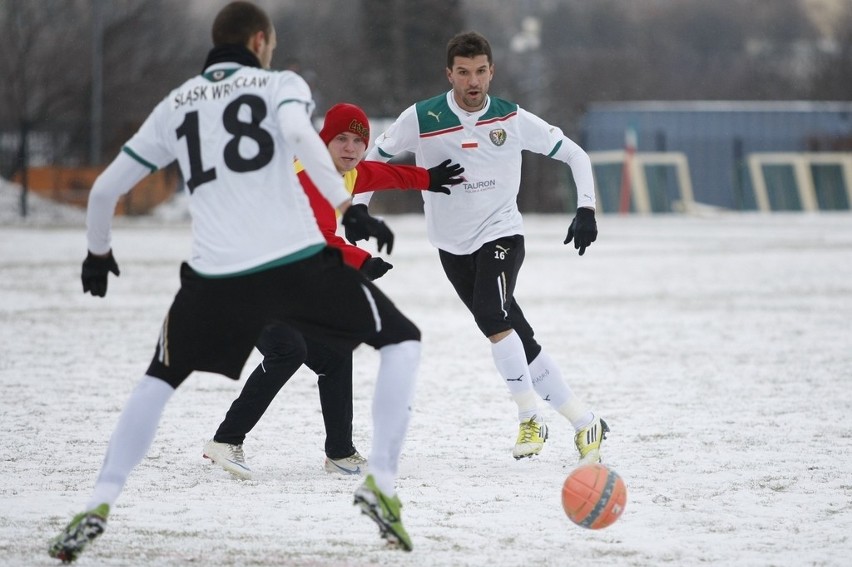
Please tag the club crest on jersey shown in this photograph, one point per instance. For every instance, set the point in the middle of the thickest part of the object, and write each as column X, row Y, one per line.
column 218, row 75
column 498, row 136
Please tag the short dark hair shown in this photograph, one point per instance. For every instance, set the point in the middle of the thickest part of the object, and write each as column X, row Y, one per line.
column 468, row 44
column 237, row 22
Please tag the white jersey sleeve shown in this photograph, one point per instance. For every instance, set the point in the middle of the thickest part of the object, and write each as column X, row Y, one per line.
column 401, row 136
column 117, row 179
column 548, row 140
column 151, row 146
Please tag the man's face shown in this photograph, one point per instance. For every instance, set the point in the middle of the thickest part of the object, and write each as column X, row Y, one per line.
column 470, row 79
column 347, row 149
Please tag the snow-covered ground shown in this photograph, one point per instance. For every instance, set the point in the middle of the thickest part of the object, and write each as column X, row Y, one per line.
column 718, row 348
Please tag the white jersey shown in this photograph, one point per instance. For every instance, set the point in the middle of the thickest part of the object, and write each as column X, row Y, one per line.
column 234, row 131
column 488, row 144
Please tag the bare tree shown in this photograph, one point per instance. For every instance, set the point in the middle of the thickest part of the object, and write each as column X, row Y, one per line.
column 386, row 55
column 150, row 46
column 405, row 41
column 48, row 70
column 40, row 45
column 834, row 69
column 36, row 63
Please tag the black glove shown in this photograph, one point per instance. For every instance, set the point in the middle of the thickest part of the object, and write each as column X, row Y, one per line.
column 95, row 270
column 374, row 268
column 444, row 174
column 360, row 225
column 583, row 229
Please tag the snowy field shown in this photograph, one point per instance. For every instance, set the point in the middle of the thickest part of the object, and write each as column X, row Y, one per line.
column 718, row 348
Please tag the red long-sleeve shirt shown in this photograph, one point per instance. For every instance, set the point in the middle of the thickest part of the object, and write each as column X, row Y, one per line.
column 366, row 176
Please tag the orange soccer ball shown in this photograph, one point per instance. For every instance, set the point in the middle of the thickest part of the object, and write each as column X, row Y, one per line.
column 594, row 496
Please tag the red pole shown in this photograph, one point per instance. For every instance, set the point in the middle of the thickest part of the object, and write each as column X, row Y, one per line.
column 626, row 168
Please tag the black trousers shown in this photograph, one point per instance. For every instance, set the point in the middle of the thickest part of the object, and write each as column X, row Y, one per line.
column 485, row 282
column 284, row 350
column 214, row 322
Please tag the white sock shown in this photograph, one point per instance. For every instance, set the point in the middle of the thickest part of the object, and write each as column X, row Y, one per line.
column 131, row 438
column 551, row 386
column 392, row 401
column 511, row 363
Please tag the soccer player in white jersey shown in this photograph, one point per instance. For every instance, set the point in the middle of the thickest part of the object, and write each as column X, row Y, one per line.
column 257, row 257
column 479, row 232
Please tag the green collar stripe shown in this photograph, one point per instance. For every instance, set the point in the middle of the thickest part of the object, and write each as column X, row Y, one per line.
column 436, row 118
column 439, row 132
column 499, row 109
column 139, row 158
column 498, row 119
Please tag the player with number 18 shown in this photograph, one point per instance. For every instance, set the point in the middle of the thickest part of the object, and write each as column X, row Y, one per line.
column 257, row 257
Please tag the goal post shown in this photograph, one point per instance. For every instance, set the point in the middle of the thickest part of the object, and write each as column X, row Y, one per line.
column 802, row 165
column 636, row 168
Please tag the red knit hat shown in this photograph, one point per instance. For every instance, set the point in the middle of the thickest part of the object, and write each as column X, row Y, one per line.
column 345, row 117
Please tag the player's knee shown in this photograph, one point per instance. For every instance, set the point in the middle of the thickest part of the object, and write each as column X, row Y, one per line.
column 492, row 326
column 280, row 337
column 172, row 376
column 399, row 330
column 406, row 353
column 283, row 349
column 330, row 363
column 290, row 356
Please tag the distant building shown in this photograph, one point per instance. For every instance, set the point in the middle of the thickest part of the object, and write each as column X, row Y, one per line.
column 717, row 137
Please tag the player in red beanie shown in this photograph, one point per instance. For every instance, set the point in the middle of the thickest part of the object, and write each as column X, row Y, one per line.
column 346, row 133
column 345, row 117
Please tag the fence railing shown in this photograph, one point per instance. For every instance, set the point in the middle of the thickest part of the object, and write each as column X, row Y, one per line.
column 801, row 181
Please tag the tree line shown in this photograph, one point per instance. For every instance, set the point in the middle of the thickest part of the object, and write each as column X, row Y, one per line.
column 553, row 57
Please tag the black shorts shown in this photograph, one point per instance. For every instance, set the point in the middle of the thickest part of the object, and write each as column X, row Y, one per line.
column 214, row 323
column 485, row 282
